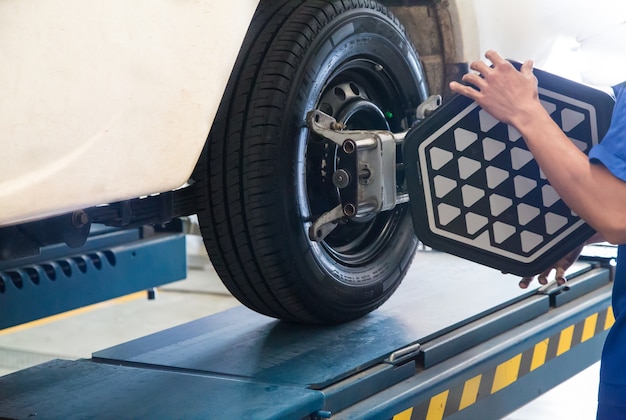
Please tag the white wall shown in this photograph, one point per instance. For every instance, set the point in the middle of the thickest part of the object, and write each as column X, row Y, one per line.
column 580, row 39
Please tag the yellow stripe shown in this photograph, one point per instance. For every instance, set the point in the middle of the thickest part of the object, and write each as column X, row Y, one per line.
column 405, row 415
column 610, row 318
column 470, row 392
column 74, row 312
column 539, row 354
column 589, row 329
column 437, row 406
column 565, row 340
column 506, row 373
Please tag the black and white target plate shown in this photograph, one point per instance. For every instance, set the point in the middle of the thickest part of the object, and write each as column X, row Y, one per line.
column 477, row 192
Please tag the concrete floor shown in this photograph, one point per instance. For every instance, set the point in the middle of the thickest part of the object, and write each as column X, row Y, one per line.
column 78, row 333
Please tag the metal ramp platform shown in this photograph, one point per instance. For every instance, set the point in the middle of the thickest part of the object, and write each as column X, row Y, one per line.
column 112, row 263
column 457, row 340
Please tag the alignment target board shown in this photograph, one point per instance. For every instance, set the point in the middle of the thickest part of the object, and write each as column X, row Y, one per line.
column 477, row 192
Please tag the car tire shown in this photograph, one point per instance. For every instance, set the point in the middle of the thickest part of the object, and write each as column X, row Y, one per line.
column 263, row 179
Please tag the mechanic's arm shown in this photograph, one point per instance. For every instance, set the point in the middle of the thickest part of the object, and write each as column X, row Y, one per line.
column 511, row 96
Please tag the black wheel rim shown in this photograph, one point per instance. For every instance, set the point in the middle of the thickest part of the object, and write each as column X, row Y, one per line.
column 362, row 94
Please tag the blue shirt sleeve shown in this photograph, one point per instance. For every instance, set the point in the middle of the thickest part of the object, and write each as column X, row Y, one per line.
column 611, row 152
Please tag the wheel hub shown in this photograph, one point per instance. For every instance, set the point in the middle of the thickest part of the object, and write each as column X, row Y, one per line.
column 357, row 237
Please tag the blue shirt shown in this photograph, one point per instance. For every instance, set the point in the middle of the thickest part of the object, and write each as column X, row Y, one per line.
column 611, row 152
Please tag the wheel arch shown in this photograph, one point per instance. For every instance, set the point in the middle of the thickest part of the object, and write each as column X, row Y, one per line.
column 445, row 35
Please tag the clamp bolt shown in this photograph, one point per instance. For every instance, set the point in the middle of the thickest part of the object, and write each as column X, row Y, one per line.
column 341, row 178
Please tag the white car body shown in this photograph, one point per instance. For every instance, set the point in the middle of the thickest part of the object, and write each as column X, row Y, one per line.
column 102, row 101
column 108, row 100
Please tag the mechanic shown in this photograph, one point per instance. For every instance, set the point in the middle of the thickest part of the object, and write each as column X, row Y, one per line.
column 593, row 187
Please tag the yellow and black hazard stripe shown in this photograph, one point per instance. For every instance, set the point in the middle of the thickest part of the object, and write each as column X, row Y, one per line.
column 481, row 386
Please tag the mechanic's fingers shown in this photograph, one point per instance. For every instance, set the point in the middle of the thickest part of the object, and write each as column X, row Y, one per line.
column 543, row 277
column 464, row 90
column 527, row 68
column 495, row 58
column 481, row 67
column 560, row 275
column 474, row 79
column 523, row 284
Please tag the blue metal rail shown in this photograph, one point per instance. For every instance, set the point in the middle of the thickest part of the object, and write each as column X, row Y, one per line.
column 112, row 263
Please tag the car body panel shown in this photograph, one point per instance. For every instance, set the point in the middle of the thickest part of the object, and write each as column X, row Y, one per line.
column 108, row 100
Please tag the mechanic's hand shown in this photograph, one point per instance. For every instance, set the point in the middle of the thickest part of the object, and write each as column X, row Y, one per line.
column 509, row 95
column 561, row 265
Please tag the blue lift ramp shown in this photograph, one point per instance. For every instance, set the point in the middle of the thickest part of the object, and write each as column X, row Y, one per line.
column 457, row 340
column 112, row 263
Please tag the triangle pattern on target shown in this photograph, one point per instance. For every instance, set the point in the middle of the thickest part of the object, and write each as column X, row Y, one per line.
column 554, row 223
column 530, row 240
column 464, row 138
column 523, row 185
column 443, row 185
column 447, row 213
column 487, row 122
column 498, row 204
column 467, row 167
column 526, row 213
column 474, row 222
column 570, row 119
column 492, row 148
column 495, row 176
column 471, row 195
column 502, row 232
column 439, row 157
column 519, row 158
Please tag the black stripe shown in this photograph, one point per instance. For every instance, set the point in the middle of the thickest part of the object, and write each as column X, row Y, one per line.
column 577, row 336
column 454, row 400
column 553, row 346
column 602, row 316
column 527, row 358
column 486, row 384
column 420, row 411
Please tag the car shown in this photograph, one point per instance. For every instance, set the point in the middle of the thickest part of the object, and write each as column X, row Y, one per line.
column 131, row 113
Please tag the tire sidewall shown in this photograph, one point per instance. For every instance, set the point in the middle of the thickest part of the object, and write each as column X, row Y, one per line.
column 351, row 34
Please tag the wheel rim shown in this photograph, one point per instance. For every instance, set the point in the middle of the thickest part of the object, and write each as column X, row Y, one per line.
column 362, row 95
